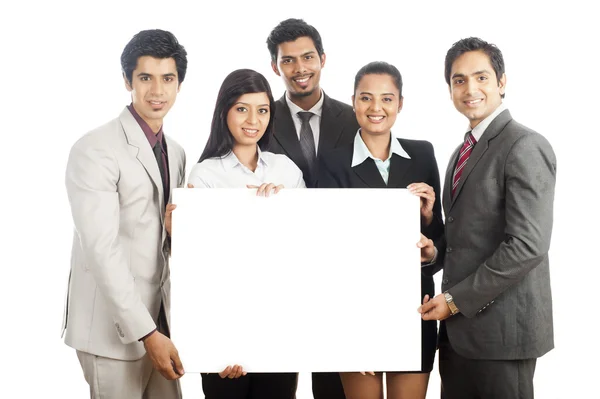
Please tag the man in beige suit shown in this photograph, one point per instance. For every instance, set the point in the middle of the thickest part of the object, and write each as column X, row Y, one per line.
column 119, row 178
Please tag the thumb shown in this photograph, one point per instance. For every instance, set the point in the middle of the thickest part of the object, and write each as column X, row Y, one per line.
column 190, row 185
column 177, row 363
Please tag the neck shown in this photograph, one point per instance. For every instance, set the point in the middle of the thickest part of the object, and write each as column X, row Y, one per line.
column 307, row 102
column 378, row 145
column 247, row 155
column 154, row 124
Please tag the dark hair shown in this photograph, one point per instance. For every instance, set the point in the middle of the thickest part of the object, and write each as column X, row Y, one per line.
column 475, row 44
column 379, row 68
column 237, row 83
column 290, row 30
column 155, row 43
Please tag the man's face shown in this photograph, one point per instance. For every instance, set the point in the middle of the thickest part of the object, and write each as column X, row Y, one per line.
column 474, row 87
column 299, row 64
column 154, row 86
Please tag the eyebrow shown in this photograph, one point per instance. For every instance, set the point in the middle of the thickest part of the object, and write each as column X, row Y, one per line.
column 301, row 55
column 170, row 74
column 261, row 105
column 382, row 94
column 462, row 75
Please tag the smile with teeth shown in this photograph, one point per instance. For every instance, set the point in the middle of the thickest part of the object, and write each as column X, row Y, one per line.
column 375, row 118
column 302, row 79
column 250, row 131
column 473, row 102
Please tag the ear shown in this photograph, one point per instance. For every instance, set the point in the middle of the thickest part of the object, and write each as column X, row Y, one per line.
column 178, row 87
column 275, row 69
column 353, row 103
column 323, row 58
column 502, row 84
column 450, row 91
column 127, row 83
column 400, row 103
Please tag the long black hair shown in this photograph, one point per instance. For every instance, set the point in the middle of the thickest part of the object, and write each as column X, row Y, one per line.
column 237, row 83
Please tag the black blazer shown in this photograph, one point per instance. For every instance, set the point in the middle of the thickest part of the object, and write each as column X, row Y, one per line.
column 335, row 172
column 338, row 127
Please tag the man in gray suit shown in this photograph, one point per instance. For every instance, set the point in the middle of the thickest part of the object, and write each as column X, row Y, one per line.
column 119, row 178
column 496, row 305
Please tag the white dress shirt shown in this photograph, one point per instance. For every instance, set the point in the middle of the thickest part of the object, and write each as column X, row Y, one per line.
column 361, row 153
column 478, row 130
column 228, row 172
column 315, row 120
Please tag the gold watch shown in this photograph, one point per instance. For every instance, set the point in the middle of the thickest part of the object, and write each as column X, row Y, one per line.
column 450, row 302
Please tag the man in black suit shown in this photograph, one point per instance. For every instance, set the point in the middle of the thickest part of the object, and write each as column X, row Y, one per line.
column 307, row 121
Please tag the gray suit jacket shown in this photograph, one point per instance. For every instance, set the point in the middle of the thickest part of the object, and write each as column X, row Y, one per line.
column 338, row 127
column 495, row 248
column 119, row 261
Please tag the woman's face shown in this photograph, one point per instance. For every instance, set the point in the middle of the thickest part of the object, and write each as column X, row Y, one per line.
column 376, row 103
column 248, row 118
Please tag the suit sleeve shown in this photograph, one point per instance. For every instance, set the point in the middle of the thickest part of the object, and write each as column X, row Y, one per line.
column 530, row 176
column 435, row 230
column 91, row 180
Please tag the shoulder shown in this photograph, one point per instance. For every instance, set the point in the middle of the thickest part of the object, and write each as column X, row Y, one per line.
column 416, row 147
column 279, row 160
column 526, row 140
column 340, row 156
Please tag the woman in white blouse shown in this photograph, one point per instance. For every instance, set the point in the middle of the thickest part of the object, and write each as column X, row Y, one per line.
column 235, row 156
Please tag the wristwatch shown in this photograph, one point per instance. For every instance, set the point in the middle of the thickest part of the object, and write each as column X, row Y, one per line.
column 450, row 302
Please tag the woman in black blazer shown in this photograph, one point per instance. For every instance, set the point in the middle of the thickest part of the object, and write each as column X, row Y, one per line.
column 377, row 159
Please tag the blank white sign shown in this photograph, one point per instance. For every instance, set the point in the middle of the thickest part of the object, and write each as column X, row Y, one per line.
column 305, row 280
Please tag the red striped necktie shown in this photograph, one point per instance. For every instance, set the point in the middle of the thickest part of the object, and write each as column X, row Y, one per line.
column 463, row 157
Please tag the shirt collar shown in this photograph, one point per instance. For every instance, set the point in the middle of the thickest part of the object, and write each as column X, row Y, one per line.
column 152, row 138
column 361, row 151
column 317, row 109
column 230, row 160
column 478, row 130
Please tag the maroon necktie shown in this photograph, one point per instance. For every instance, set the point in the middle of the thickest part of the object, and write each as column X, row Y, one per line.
column 463, row 157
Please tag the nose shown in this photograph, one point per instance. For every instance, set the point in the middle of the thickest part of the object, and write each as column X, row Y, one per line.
column 157, row 87
column 300, row 66
column 471, row 86
column 252, row 118
column 376, row 104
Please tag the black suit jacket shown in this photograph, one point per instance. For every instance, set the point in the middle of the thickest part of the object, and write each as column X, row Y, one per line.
column 335, row 171
column 338, row 127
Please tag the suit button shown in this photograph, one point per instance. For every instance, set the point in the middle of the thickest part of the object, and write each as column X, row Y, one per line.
column 450, row 219
column 449, row 249
column 445, row 281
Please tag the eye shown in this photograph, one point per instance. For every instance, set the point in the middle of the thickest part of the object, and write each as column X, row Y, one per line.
column 308, row 57
column 263, row 111
column 458, row 81
column 286, row 61
column 145, row 78
column 388, row 99
column 169, row 78
column 241, row 109
column 365, row 98
column 483, row 78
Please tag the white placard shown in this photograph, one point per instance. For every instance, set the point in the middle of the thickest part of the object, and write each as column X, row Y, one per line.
column 305, row 280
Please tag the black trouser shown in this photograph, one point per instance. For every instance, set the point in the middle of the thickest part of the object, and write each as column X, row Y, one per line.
column 464, row 378
column 250, row 386
column 327, row 386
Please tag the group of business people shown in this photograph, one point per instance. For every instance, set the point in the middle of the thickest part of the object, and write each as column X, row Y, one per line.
column 495, row 310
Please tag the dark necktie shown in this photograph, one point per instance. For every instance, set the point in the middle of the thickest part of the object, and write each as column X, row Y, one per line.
column 307, row 141
column 463, row 157
column 161, row 167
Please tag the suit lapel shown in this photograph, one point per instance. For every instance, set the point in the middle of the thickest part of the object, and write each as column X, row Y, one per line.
column 286, row 135
column 480, row 149
column 399, row 167
column 368, row 173
column 447, row 192
column 141, row 148
column 331, row 127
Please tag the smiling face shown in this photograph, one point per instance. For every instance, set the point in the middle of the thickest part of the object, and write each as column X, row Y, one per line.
column 376, row 102
column 474, row 87
column 154, row 86
column 248, row 118
column 299, row 64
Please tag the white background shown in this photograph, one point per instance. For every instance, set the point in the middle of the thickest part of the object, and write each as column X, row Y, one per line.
column 61, row 77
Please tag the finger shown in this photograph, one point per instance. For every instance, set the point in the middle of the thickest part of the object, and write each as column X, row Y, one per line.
column 423, row 241
column 177, row 363
column 372, row 372
column 239, row 372
column 170, row 208
column 167, row 371
column 278, row 188
column 251, row 186
column 261, row 190
column 190, row 185
column 225, row 372
column 363, row 373
column 425, row 307
column 269, row 188
column 425, row 299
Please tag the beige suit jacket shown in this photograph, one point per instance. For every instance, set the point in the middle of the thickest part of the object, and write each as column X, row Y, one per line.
column 119, row 262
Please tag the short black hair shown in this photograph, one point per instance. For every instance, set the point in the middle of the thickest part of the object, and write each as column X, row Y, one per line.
column 155, row 43
column 237, row 83
column 380, row 68
column 475, row 44
column 290, row 30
